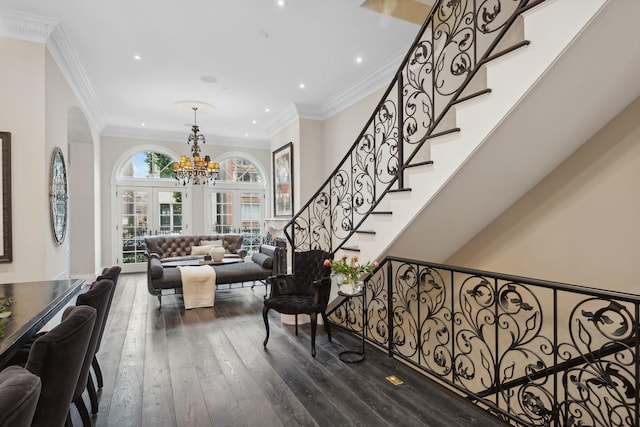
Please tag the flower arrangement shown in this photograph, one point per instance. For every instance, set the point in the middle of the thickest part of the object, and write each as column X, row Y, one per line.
column 350, row 268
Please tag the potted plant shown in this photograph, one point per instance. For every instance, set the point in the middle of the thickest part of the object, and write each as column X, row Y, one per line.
column 350, row 272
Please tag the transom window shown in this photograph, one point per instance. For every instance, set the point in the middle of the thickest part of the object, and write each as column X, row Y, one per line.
column 239, row 169
column 148, row 165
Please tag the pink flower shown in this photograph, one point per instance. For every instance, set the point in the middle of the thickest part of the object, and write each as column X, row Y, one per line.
column 376, row 264
column 326, row 263
column 354, row 267
column 354, row 259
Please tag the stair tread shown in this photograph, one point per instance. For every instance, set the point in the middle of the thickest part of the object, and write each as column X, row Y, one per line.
column 366, row 231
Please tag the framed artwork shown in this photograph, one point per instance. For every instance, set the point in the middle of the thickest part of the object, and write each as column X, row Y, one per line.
column 283, row 181
column 5, row 163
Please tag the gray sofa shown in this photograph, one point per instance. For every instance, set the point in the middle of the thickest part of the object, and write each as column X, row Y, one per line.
column 164, row 252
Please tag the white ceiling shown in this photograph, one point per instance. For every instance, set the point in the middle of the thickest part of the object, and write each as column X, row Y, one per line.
column 258, row 54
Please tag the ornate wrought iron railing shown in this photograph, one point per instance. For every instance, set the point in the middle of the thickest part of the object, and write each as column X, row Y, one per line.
column 458, row 37
column 532, row 352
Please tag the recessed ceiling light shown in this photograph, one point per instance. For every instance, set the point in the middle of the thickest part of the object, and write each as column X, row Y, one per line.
column 281, row 3
column 254, row 122
column 359, row 59
column 266, row 110
column 142, row 124
column 301, row 85
column 246, row 134
column 137, row 57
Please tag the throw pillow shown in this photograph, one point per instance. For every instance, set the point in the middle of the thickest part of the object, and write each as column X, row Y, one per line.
column 263, row 260
column 201, row 250
column 211, row 242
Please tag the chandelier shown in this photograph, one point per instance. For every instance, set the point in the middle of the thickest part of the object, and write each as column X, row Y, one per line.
column 200, row 170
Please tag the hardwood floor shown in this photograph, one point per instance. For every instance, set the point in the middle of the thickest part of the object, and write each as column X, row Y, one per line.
column 207, row 367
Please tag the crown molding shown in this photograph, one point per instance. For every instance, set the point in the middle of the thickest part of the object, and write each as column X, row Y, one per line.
column 25, row 26
column 67, row 60
column 175, row 136
column 372, row 82
column 283, row 119
column 364, row 87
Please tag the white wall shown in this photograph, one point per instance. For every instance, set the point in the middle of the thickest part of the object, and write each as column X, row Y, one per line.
column 340, row 131
column 310, row 160
column 290, row 133
column 578, row 225
column 59, row 99
column 22, row 111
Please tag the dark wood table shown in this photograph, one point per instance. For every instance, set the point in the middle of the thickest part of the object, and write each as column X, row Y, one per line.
column 33, row 304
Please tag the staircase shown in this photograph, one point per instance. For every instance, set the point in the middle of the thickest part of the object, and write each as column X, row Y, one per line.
column 480, row 137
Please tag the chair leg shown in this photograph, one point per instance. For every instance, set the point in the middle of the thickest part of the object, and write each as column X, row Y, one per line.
column 82, row 410
column 265, row 312
column 97, row 371
column 296, row 325
column 314, row 324
column 93, row 396
column 326, row 325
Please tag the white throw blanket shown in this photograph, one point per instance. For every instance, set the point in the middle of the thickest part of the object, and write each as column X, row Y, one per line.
column 198, row 286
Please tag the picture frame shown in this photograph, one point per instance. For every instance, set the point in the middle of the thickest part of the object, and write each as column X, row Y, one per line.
column 283, row 181
column 6, row 246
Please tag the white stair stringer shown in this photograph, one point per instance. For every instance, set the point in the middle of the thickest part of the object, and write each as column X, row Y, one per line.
column 510, row 138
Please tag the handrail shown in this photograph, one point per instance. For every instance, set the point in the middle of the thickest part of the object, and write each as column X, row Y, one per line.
column 533, row 352
column 457, row 38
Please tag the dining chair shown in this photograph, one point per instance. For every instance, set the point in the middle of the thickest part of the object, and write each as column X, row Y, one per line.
column 112, row 273
column 97, row 297
column 306, row 291
column 57, row 357
column 19, row 392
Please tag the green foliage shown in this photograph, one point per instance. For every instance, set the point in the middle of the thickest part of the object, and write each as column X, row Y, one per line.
column 159, row 164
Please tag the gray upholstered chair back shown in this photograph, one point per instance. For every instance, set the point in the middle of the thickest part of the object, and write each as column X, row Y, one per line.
column 97, row 297
column 57, row 357
column 19, row 392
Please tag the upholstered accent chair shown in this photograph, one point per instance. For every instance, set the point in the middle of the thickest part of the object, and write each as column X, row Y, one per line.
column 19, row 392
column 98, row 297
column 306, row 291
column 57, row 357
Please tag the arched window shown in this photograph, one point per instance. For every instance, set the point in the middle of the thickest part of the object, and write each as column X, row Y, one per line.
column 147, row 165
column 239, row 169
column 236, row 204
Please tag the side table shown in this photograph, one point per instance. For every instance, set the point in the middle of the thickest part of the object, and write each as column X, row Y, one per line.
column 354, row 356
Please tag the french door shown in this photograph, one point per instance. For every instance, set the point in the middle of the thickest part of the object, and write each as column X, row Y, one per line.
column 147, row 211
column 237, row 211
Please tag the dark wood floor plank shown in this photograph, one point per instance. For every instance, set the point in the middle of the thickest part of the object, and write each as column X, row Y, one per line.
column 208, row 367
column 258, row 412
column 113, row 339
column 221, row 404
column 126, row 401
column 157, row 401
column 184, row 369
column 280, row 396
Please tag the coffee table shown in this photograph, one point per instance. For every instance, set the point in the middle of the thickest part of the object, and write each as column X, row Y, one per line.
column 200, row 261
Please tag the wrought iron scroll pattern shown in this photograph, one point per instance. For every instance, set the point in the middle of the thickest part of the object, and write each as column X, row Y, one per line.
column 456, row 38
column 532, row 352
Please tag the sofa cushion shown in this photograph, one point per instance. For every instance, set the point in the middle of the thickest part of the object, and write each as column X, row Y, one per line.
column 201, row 250
column 263, row 260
